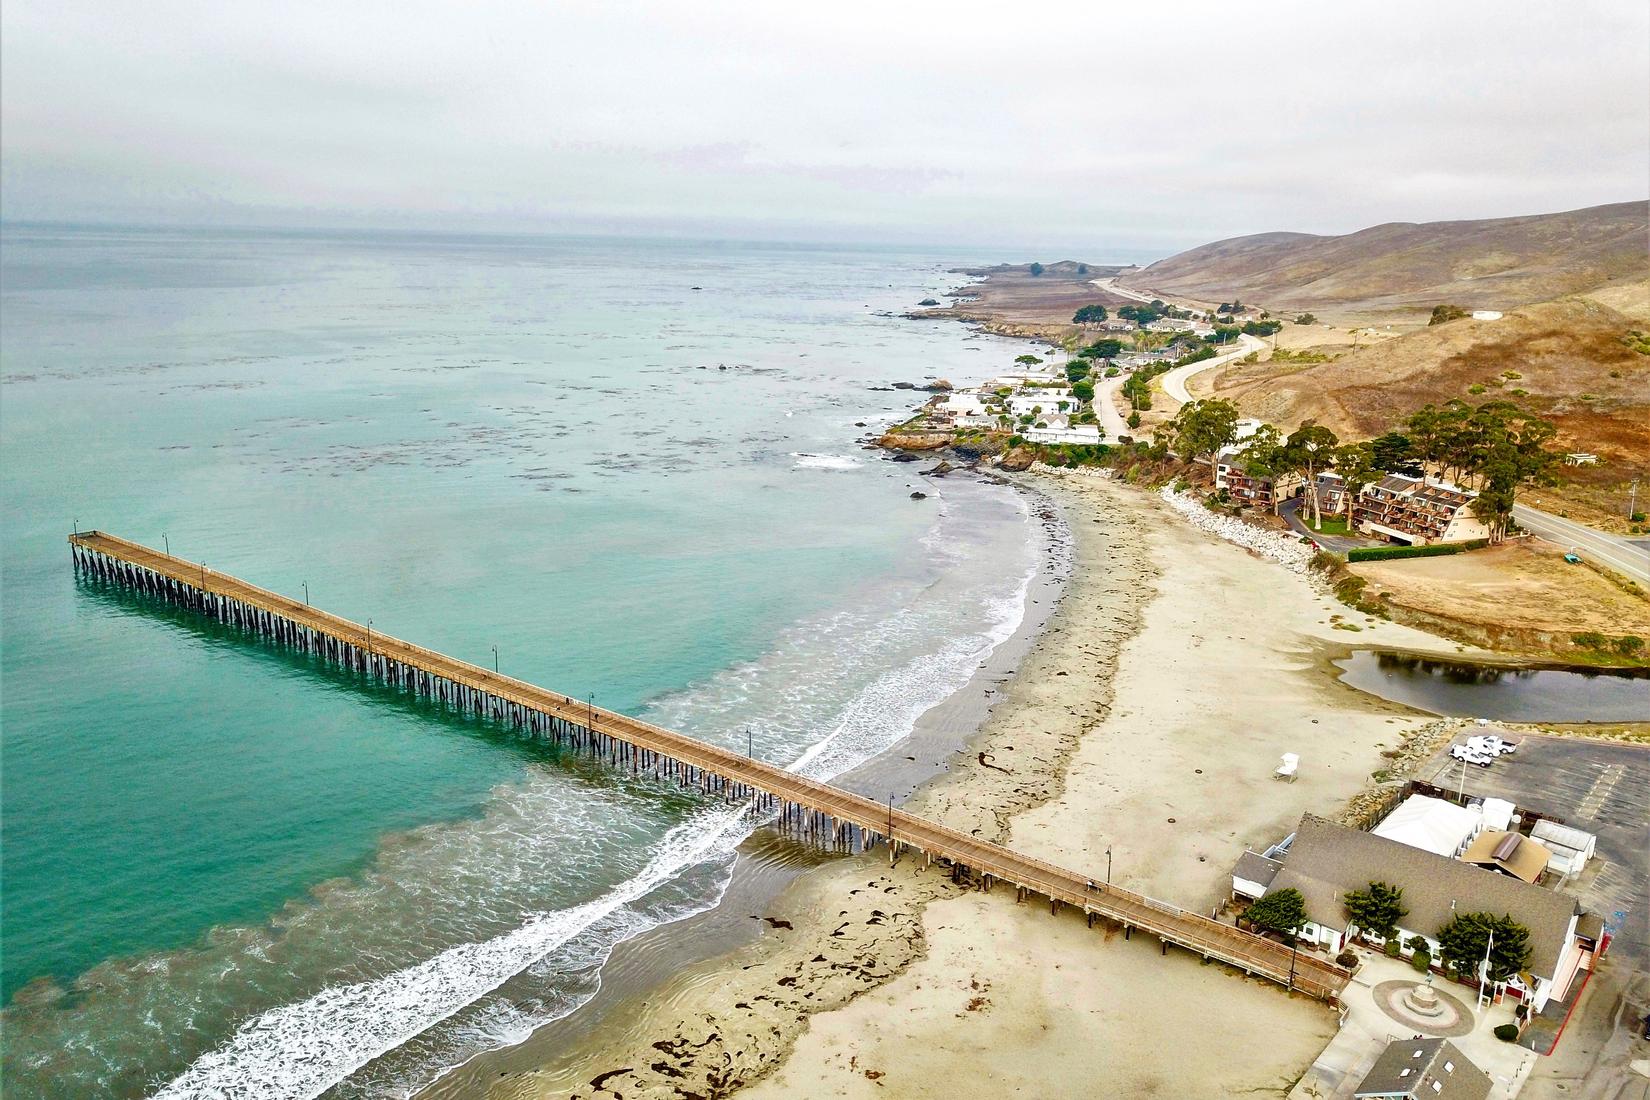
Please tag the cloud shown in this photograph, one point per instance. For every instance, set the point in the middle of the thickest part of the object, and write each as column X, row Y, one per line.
column 1077, row 125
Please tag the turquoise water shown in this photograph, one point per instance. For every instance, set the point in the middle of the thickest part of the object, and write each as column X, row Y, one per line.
column 630, row 466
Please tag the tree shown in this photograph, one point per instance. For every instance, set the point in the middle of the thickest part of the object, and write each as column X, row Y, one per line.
column 1309, row 449
column 1282, row 911
column 1108, row 348
column 1306, row 319
column 1083, row 390
column 1036, row 268
column 1082, row 269
column 1202, row 428
column 1440, row 314
column 1390, row 452
column 1090, row 315
column 1463, row 940
column 1077, row 368
column 1134, row 419
column 1355, row 463
column 1376, row 910
column 1027, row 360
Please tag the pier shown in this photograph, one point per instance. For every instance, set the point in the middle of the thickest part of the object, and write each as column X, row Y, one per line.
column 806, row 809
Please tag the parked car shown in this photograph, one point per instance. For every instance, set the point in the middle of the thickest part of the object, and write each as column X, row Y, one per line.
column 1491, row 744
column 1471, row 756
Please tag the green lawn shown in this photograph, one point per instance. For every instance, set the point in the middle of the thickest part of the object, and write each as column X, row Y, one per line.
column 1332, row 525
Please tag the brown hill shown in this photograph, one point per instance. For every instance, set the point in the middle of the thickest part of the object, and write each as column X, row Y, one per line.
column 1581, row 361
column 1497, row 263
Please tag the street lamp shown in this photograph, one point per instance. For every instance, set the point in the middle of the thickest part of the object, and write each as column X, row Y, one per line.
column 306, row 593
column 369, row 635
column 168, row 544
column 750, row 743
column 890, row 828
column 1108, row 865
column 495, row 660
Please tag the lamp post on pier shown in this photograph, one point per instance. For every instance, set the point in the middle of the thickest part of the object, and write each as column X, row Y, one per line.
column 369, row 635
column 1108, row 865
column 495, row 660
column 306, row 593
column 890, row 828
column 164, row 541
column 750, row 743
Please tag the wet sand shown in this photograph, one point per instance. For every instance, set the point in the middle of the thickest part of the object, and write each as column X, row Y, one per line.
column 1147, row 719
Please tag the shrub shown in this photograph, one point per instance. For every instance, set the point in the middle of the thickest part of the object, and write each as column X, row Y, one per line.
column 1388, row 553
column 1629, row 644
column 1036, row 269
column 1507, row 1033
column 1346, row 960
column 1421, row 961
column 1306, row 319
column 1590, row 639
column 1391, row 949
column 1440, row 314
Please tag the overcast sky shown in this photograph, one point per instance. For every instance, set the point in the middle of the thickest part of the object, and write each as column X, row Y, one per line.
column 1067, row 127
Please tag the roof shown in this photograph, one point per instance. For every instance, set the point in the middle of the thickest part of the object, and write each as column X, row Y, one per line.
column 1430, row 824
column 1326, row 860
column 1254, row 867
column 1555, row 835
column 1432, row 1069
column 1518, row 856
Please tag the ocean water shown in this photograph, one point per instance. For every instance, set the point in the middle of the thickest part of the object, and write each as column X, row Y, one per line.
column 626, row 468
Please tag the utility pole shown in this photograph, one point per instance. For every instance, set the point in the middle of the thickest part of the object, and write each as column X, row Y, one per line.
column 1633, row 500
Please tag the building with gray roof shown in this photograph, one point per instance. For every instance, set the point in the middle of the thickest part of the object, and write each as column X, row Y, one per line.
column 1327, row 860
column 1423, row 1069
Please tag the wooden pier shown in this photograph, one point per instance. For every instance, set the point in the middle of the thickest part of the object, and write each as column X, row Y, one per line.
column 809, row 810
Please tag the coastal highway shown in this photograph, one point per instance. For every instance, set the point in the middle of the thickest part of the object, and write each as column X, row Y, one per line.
column 1174, row 383
column 1623, row 555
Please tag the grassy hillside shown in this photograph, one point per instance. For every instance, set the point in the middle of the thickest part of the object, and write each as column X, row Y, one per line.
column 1401, row 267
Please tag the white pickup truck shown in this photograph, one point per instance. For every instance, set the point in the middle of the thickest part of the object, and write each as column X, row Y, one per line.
column 1469, row 755
column 1491, row 744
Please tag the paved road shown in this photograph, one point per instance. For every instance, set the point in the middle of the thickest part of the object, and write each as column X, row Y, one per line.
column 1613, row 551
column 1105, row 408
column 1174, row 383
column 1340, row 544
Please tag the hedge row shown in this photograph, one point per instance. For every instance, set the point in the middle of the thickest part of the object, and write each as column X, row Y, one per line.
column 1387, row 553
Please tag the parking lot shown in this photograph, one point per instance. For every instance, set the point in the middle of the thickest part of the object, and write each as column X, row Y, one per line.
column 1598, row 786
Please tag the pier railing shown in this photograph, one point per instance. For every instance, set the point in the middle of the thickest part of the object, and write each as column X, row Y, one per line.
column 808, row 809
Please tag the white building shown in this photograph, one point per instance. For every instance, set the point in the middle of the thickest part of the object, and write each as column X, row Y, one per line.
column 1042, row 402
column 1571, row 848
column 1432, row 825
column 1060, row 430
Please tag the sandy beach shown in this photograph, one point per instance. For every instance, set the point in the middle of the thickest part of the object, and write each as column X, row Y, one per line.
column 1146, row 719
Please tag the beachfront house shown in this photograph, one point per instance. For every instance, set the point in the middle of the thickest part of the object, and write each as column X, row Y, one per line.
column 1041, row 402
column 1253, row 490
column 1423, row 1069
column 1417, row 511
column 1325, row 861
column 1059, row 429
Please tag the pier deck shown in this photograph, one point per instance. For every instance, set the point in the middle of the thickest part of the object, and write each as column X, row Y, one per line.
column 810, row 808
